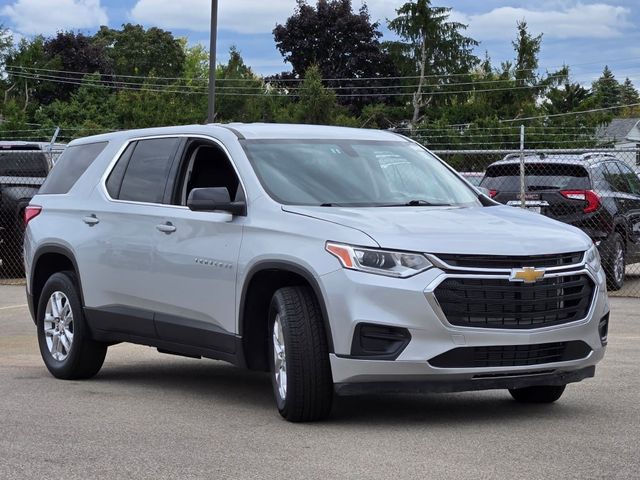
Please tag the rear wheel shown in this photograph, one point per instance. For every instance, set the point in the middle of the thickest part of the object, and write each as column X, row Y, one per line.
column 65, row 343
column 299, row 356
column 615, row 264
column 537, row 394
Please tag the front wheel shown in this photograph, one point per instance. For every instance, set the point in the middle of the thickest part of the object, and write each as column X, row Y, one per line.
column 537, row 394
column 299, row 356
column 65, row 342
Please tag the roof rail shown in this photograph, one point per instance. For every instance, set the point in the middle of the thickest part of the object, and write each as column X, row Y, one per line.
column 590, row 155
column 511, row 156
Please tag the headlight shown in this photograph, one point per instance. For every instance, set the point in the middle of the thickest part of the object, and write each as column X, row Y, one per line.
column 382, row 262
column 592, row 257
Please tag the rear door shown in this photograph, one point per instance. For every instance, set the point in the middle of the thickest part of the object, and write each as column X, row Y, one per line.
column 116, row 258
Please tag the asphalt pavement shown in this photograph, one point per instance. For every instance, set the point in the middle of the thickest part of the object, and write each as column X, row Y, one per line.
column 148, row 415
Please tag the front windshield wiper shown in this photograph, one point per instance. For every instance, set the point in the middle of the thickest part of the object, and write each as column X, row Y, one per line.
column 417, row 203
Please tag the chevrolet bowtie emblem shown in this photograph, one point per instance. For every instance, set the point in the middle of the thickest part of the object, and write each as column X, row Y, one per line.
column 526, row 275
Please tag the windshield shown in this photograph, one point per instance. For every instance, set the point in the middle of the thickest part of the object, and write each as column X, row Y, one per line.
column 355, row 173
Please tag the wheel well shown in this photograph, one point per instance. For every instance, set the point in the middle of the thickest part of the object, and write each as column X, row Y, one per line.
column 257, row 298
column 46, row 265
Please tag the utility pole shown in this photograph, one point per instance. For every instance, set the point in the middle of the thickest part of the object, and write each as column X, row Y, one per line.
column 212, row 61
column 523, row 195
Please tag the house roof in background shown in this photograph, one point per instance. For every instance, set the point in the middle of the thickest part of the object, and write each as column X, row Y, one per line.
column 618, row 130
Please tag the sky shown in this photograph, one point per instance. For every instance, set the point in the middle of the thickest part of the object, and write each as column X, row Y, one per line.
column 583, row 34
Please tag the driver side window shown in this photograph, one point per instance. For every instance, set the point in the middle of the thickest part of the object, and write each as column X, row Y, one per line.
column 205, row 165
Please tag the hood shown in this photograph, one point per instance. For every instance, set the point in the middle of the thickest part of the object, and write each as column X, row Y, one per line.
column 496, row 230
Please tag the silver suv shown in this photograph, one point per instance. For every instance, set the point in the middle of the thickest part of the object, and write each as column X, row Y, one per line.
column 339, row 260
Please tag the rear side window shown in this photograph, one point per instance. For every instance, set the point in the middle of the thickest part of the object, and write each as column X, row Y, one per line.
column 146, row 173
column 23, row 163
column 538, row 176
column 69, row 168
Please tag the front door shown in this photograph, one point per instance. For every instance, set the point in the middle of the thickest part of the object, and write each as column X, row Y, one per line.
column 195, row 262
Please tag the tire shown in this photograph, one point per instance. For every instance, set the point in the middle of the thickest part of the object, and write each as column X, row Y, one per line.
column 305, row 393
column 75, row 355
column 616, row 262
column 538, row 394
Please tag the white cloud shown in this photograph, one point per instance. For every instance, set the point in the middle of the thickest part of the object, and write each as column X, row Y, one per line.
column 46, row 17
column 242, row 16
column 565, row 20
column 194, row 15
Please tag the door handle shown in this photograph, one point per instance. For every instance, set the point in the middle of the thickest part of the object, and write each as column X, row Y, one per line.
column 166, row 227
column 91, row 220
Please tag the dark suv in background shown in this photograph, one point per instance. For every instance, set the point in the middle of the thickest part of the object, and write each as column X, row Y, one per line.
column 23, row 168
column 595, row 192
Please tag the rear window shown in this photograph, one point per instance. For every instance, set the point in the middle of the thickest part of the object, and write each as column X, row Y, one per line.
column 538, row 176
column 69, row 168
column 23, row 163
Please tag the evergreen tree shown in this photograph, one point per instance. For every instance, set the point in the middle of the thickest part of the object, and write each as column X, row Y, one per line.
column 317, row 104
column 607, row 91
column 437, row 45
column 527, row 48
column 628, row 93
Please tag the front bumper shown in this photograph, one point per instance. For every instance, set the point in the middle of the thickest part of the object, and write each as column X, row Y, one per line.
column 355, row 297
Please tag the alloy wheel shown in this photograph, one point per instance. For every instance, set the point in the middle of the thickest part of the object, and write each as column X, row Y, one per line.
column 58, row 326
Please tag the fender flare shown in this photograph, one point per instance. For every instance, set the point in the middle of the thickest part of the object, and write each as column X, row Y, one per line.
column 60, row 250
column 292, row 268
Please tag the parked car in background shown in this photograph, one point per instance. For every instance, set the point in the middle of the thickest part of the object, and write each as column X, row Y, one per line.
column 595, row 192
column 342, row 261
column 23, row 168
column 474, row 178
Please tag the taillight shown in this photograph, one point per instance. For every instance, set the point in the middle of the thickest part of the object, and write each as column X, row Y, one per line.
column 589, row 196
column 31, row 212
column 493, row 193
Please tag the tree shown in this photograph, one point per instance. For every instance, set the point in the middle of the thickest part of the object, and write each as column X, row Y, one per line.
column 317, row 105
column 340, row 42
column 239, row 90
column 569, row 98
column 628, row 93
column 437, row 45
column 75, row 53
column 527, row 48
column 90, row 107
column 136, row 51
column 606, row 90
column 23, row 74
column 6, row 44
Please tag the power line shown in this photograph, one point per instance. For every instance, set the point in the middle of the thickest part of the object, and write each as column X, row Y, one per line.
column 89, row 83
column 582, row 112
column 444, row 75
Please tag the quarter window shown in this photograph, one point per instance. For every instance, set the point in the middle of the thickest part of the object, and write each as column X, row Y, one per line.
column 69, row 168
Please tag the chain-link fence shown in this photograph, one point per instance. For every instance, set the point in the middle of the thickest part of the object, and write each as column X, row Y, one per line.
column 597, row 191
column 23, row 168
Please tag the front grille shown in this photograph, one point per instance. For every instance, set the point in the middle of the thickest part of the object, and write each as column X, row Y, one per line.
column 500, row 303
column 511, row 355
column 511, row 261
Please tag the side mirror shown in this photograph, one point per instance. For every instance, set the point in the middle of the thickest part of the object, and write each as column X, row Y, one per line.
column 215, row 198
